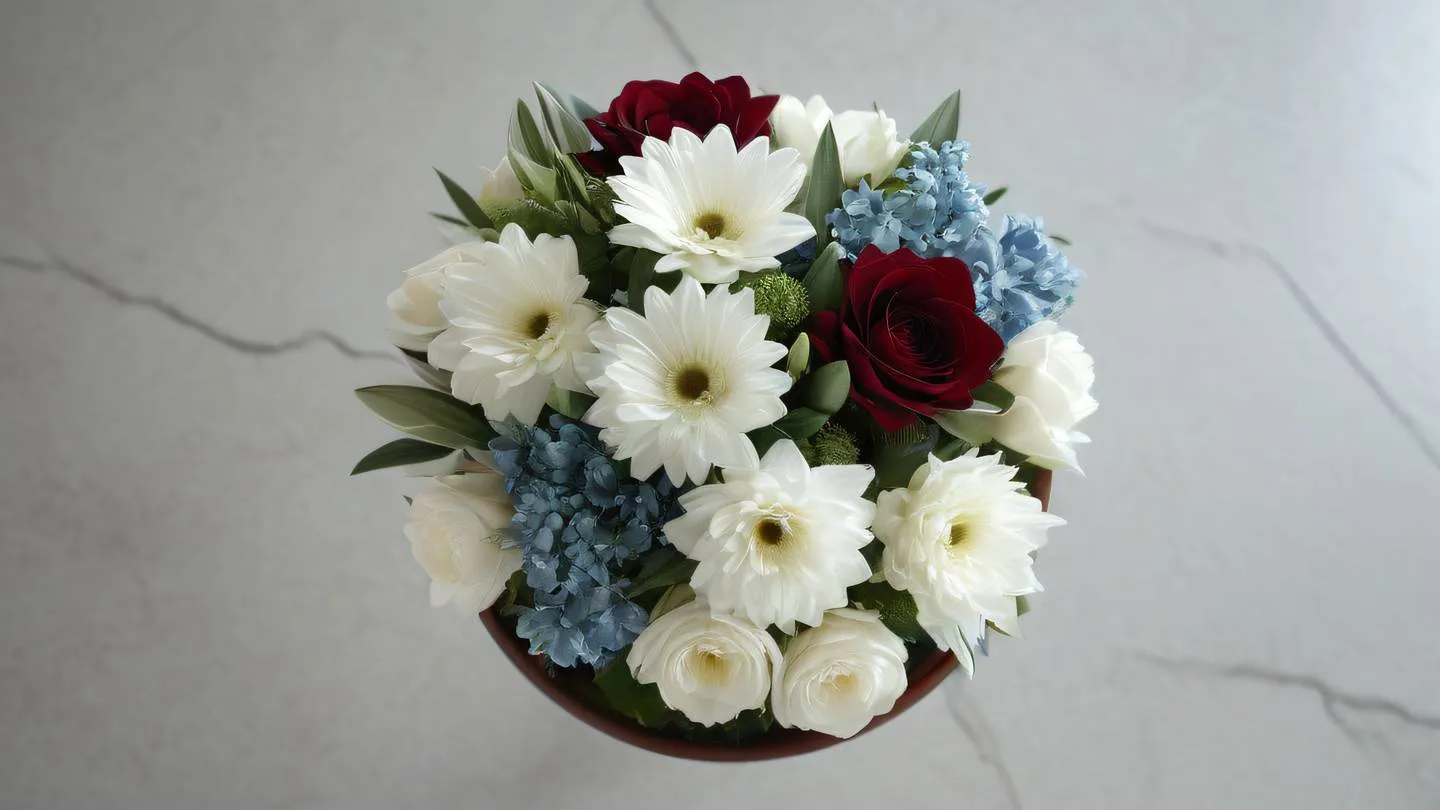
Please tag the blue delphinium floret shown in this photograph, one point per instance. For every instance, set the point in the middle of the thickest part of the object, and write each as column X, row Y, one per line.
column 934, row 213
column 578, row 522
column 1021, row 278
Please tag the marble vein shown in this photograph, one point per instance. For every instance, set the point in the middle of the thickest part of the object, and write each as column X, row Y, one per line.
column 1331, row 699
column 982, row 737
column 672, row 34
column 1307, row 305
column 194, row 323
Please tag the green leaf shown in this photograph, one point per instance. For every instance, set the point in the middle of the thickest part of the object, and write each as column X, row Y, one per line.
column 466, row 204
column 764, row 438
column 537, row 179
column 674, row 597
column 952, row 448
column 400, row 453
column 663, row 568
column 565, row 128
column 802, row 423
column 798, row 359
column 428, row 415
column 1022, row 605
column 899, row 454
column 576, row 105
column 569, row 404
column 437, row 378
column 994, row 196
column 823, row 280
column 452, row 220
column 942, row 125
column 825, row 186
column 638, row 701
column 828, row 387
column 994, row 393
column 1060, row 240
column 526, row 138
column 534, row 217
column 642, row 277
column 897, row 608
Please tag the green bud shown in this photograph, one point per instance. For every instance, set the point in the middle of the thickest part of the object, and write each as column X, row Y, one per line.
column 832, row 445
column 781, row 297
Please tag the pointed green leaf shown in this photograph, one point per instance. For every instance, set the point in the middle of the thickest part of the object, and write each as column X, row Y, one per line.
column 663, row 568
column 465, row 203
column 428, row 415
column 526, row 138
column 436, row 378
column 1060, row 240
column 576, row 105
column 828, row 387
column 400, row 453
column 942, row 125
column 802, row 423
column 823, row 280
column 452, row 220
column 896, row 608
column 638, row 701
column 994, row 393
column 569, row 404
column 764, row 438
column 825, row 185
column 642, row 276
column 565, row 128
column 539, row 180
column 995, row 195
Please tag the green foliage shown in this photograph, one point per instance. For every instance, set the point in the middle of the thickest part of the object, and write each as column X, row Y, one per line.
column 562, row 121
column 640, row 702
column 801, row 423
column 435, row 377
column 942, row 125
column 399, row 453
column 994, row 393
column 569, row 404
column 832, row 445
column 825, row 186
column 663, row 568
column 824, row 281
column 827, row 388
column 780, row 297
column 899, row 454
column 1060, row 240
column 897, row 608
column 798, row 360
column 641, row 276
column 428, row 415
column 464, row 203
column 995, row 195
column 747, row 726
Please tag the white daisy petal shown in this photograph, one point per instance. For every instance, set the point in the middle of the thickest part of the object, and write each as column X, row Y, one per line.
column 680, row 386
column 713, row 212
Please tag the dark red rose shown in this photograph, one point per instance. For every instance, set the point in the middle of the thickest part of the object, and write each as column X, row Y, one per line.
column 908, row 328
column 657, row 107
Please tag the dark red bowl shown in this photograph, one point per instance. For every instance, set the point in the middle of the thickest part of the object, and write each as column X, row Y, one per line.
column 574, row 692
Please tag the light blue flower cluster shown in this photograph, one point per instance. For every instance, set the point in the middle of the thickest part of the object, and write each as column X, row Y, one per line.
column 933, row 214
column 1021, row 278
column 579, row 521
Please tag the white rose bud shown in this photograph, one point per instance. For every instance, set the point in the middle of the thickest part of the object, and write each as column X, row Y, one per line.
column 867, row 140
column 1050, row 375
column 501, row 184
column 710, row 668
column 454, row 532
column 415, row 316
column 839, row 676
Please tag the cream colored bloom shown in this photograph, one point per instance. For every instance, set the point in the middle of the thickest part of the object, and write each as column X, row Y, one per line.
column 837, row 677
column 454, row 532
column 709, row 668
column 867, row 140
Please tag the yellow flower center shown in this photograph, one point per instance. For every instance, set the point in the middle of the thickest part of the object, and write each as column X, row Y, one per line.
column 692, row 384
column 712, row 224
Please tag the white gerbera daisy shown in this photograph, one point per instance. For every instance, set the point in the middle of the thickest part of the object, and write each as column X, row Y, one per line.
column 679, row 386
column 781, row 543
column 517, row 319
column 959, row 540
column 707, row 209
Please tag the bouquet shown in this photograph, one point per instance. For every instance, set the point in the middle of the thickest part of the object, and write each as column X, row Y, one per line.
column 737, row 410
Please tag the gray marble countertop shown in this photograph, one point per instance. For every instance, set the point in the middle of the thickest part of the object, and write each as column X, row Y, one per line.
column 203, row 205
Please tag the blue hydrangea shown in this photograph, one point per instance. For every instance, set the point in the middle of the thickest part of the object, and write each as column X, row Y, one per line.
column 934, row 210
column 579, row 523
column 1021, row 278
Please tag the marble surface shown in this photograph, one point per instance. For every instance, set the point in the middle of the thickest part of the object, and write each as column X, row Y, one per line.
column 203, row 204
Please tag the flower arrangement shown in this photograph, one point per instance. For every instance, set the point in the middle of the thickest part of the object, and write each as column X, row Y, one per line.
column 735, row 404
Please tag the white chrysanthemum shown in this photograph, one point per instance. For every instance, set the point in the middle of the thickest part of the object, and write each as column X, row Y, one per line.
column 455, row 535
column 707, row 209
column 959, row 540
column 681, row 385
column 710, row 668
column 517, row 319
column 781, row 543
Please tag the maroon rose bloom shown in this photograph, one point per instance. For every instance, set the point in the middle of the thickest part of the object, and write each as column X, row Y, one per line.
column 908, row 328
column 657, row 107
